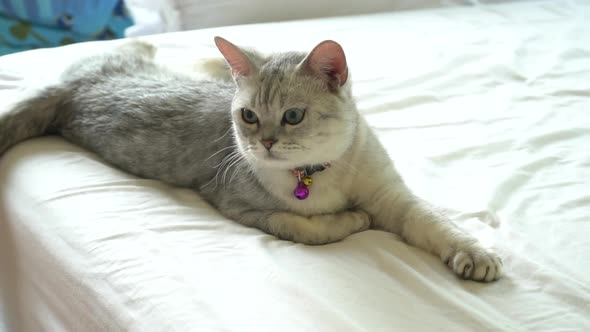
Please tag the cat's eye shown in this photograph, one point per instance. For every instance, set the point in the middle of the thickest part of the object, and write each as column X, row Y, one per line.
column 248, row 116
column 294, row 116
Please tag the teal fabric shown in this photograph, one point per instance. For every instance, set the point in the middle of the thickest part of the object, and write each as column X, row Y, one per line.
column 30, row 24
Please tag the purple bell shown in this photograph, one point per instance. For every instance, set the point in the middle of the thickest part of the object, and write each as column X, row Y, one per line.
column 301, row 191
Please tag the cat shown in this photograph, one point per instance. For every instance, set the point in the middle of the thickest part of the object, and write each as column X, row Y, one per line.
column 280, row 147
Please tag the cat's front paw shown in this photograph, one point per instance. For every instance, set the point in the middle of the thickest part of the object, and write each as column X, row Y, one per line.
column 332, row 228
column 474, row 262
column 319, row 229
column 362, row 221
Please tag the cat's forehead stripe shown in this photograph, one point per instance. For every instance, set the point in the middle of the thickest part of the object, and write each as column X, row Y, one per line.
column 270, row 85
column 273, row 73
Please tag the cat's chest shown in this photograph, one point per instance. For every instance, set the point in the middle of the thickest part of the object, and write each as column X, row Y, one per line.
column 328, row 193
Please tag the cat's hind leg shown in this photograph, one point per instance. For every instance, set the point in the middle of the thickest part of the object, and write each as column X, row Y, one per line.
column 129, row 57
column 137, row 47
column 215, row 68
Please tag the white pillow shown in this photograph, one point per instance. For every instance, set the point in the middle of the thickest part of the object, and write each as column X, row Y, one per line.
column 152, row 17
column 157, row 16
column 196, row 14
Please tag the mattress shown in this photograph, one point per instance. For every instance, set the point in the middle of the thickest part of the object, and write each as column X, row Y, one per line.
column 484, row 109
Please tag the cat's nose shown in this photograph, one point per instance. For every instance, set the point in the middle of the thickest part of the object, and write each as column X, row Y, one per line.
column 268, row 143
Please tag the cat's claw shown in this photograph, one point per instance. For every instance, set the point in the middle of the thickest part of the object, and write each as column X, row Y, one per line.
column 475, row 263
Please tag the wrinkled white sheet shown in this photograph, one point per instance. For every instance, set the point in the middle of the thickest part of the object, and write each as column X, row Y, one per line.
column 482, row 108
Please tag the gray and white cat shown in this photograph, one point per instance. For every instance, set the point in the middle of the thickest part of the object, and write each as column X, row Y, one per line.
column 281, row 148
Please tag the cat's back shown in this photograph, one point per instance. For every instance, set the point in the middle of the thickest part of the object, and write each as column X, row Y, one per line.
column 146, row 118
column 132, row 80
column 128, row 81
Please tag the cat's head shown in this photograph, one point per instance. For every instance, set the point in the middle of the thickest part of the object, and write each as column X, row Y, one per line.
column 291, row 109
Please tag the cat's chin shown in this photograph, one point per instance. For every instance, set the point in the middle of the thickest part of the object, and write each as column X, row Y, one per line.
column 279, row 161
column 274, row 163
column 282, row 164
column 270, row 160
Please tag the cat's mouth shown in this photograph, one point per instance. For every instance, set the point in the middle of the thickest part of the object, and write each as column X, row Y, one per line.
column 270, row 155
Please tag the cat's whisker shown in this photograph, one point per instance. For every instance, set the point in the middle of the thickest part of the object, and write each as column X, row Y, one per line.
column 295, row 146
column 232, row 164
column 243, row 165
column 208, row 183
column 221, row 150
column 227, row 159
column 217, row 172
column 236, row 170
column 222, row 136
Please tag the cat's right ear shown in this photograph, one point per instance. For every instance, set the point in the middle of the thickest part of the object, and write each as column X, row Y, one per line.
column 327, row 60
column 239, row 63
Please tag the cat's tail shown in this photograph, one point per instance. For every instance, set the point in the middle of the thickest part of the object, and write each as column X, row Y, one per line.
column 30, row 117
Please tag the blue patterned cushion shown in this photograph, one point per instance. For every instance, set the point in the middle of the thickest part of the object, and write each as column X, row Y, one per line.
column 29, row 24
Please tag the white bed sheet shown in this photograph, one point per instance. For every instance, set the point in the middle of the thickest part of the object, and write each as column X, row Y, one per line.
column 485, row 110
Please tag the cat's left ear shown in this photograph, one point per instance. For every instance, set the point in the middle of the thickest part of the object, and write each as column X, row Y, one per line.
column 328, row 61
column 240, row 65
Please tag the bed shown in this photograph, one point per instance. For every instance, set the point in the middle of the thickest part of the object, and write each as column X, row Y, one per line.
column 486, row 112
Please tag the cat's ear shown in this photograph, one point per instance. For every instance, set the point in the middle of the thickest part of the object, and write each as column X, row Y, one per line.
column 238, row 61
column 328, row 61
